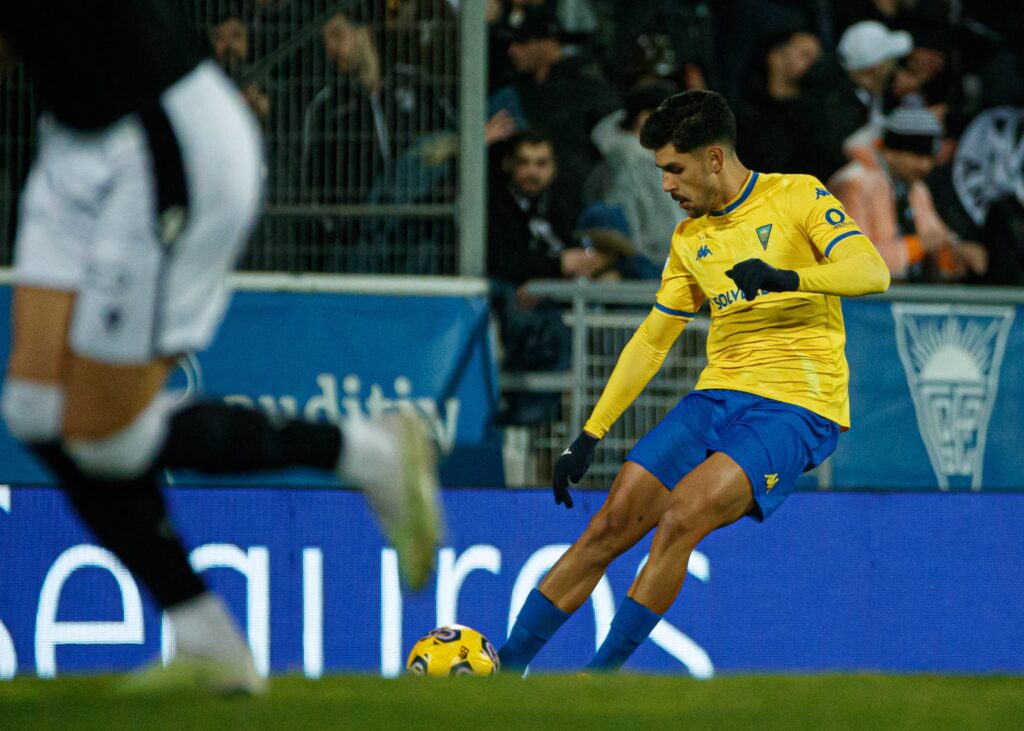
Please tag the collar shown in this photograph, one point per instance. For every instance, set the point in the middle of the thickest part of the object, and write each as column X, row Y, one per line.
column 744, row 193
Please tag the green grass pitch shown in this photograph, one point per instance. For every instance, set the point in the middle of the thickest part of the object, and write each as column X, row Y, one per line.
column 871, row 702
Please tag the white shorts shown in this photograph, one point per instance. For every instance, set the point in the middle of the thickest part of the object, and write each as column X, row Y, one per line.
column 144, row 219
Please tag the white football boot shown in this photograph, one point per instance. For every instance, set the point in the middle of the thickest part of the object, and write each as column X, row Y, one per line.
column 209, row 654
column 395, row 465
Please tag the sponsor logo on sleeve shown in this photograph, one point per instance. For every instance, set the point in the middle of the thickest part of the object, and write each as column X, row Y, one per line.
column 837, row 218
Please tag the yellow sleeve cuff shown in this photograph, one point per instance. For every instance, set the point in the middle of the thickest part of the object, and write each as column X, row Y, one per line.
column 854, row 267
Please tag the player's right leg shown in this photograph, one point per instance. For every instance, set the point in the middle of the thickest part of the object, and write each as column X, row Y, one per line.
column 638, row 500
column 392, row 462
column 114, row 493
column 633, row 506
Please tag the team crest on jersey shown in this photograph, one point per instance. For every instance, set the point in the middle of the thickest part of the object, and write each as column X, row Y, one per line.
column 952, row 356
column 763, row 232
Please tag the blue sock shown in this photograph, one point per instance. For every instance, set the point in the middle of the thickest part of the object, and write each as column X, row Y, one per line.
column 630, row 627
column 538, row 620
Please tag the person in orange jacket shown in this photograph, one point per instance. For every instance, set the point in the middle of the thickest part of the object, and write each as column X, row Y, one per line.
column 883, row 189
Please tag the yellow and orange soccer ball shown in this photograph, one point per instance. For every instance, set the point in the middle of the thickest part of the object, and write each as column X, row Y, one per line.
column 451, row 651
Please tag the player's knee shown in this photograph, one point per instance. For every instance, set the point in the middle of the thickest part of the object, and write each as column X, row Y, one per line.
column 129, row 452
column 682, row 523
column 32, row 411
column 606, row 530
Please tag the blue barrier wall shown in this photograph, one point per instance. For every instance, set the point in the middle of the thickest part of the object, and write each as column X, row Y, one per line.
column 937, row 390
column 324, row 356
column 921, row 580
column 897, row 582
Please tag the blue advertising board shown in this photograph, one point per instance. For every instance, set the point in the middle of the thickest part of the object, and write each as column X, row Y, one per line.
column 325, row 356
column 833, row 581
column 936, row 390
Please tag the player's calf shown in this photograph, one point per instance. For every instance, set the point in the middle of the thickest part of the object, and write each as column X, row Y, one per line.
column 111, row 483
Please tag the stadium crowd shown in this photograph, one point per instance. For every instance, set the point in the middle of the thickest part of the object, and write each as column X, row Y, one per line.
column 910, row 112
column 873, row 97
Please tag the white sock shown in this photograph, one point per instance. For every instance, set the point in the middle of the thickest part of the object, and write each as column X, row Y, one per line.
column 368, row 450
column 203, row 626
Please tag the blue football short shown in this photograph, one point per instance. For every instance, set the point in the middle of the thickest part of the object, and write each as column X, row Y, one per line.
column 772, row 441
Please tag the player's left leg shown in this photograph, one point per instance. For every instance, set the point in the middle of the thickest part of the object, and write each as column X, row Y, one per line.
column 760, row 447
column 714, row 494
column 633, row 506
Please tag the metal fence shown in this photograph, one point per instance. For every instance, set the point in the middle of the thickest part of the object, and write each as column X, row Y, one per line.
column 17, row 112
column 602, row 318
column 361, row 104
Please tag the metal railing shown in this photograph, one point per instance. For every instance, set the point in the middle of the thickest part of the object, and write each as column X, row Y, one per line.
column 373, row 117
column 602, row 318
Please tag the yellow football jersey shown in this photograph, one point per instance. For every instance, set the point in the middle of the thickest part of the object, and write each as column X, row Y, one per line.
column 786, row 346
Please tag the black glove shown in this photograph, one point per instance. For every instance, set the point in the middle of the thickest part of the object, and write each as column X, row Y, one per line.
column 753, row 275
column 572, row 465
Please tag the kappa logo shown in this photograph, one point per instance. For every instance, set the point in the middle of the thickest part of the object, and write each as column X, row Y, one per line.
column 763, row 232
column 952, row 355
column 771, row 481
column 703, row 251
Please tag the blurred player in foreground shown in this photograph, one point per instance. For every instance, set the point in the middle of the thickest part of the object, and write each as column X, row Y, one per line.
column 147, row 183
column 772, row 254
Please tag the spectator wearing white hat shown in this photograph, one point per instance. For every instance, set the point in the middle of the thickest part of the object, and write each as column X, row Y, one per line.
column 883, row 190
column 870, row 53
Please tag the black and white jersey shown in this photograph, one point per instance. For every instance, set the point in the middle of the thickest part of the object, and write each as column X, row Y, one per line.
column 93, row 61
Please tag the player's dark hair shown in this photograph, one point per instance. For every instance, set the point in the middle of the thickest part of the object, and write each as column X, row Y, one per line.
column 690, row 120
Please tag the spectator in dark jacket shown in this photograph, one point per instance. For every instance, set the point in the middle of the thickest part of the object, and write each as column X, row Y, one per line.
column 777, row 115
column 530, row 227
column 560, row 92
column 530, row 222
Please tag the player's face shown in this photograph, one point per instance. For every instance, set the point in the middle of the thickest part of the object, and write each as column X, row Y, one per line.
column 533, row 168
column 689, row 178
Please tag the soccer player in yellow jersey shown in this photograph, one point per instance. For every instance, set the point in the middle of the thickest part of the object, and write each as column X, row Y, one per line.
column 771, row 254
